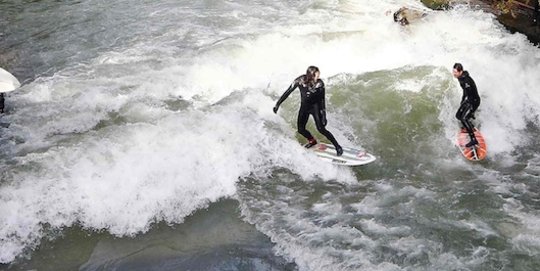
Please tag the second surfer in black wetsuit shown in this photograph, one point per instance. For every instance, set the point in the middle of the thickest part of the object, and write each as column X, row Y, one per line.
column 470, row 100
column 312, row 96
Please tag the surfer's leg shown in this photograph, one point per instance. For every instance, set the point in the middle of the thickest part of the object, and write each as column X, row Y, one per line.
column 320, row 127
column 470, row 129
column 464, row 114
column 470, row 114
column 460, row 114
column 303, row 115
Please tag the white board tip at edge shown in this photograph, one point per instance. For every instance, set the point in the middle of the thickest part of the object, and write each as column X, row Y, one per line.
column 8, row 82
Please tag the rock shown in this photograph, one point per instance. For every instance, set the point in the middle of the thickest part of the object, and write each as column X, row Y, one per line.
column 515, row 17
column 521, row 24
column 437, row 4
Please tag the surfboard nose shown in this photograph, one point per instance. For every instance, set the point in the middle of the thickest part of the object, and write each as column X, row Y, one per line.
column 8, row 82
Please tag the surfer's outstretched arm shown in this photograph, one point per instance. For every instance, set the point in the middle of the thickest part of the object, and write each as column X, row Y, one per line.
column 286, row 94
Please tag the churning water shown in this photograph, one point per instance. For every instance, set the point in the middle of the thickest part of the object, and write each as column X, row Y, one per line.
column 136, row 116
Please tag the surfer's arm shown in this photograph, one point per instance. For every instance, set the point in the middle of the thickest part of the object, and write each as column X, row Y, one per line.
column 469, row 90
column 472, row 85
column 323, row 92
column 322, row 103
column 286, row 94
column 464, row 95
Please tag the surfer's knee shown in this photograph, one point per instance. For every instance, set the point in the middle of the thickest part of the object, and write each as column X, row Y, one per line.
column 464, row 119
column 321, row 129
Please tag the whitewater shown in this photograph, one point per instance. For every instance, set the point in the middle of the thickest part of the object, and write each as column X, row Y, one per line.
column 135, row 116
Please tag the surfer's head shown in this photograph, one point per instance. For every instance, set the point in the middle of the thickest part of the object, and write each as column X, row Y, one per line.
column 312, row 75
column 457, row 71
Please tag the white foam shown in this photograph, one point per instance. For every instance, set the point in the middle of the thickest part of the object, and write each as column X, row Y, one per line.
column 160, row 164
column 124, row 178
column 506, row 78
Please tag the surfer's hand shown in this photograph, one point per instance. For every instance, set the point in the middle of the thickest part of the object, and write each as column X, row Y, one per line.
column 275, row 109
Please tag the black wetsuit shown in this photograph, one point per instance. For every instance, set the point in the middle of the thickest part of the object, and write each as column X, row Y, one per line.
column 469, row 102
column 536, row 15
column 312, row 103
column 1, row 102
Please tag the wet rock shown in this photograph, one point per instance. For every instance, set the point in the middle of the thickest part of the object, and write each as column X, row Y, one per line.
column 437, row 4
column 521, row 24
column 515, row 17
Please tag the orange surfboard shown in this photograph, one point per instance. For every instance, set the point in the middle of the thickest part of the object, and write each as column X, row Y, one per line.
column 474, row 153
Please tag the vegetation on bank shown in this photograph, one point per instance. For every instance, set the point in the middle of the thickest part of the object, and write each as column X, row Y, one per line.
column 511, row 6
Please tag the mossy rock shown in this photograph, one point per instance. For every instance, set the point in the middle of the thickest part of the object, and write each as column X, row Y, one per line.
column 437, row 4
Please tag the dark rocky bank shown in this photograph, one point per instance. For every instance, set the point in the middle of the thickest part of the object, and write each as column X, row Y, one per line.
column 516, row 16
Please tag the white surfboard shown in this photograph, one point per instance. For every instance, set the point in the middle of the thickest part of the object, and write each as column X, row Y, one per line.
column 350, row 156
column 8, row 82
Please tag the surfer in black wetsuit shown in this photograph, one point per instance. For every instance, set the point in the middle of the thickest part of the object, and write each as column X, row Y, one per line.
column 312, row 98
column 469, row 101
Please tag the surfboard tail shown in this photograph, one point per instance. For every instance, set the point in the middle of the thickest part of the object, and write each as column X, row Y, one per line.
column 474, row 153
